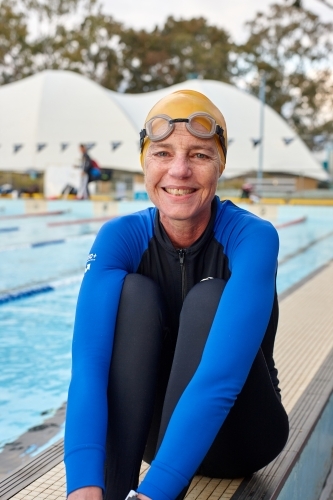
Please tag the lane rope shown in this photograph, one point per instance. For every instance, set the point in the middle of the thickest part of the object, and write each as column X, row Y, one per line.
column 37, row 214
column 38, row 289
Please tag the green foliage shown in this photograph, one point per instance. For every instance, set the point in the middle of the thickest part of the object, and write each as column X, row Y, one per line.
column 51, row 8
column 294, row 49
column 102, row 49
column 88, row 46
column 179, row 50
column 15, row 52
column 96, row 50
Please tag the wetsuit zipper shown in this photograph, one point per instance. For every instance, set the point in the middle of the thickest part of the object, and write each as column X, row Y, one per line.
column 181, row 254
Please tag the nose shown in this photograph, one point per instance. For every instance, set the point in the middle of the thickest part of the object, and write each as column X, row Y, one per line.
column 180, row 167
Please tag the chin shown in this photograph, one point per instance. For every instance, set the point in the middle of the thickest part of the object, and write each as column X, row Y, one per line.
column 180, row 213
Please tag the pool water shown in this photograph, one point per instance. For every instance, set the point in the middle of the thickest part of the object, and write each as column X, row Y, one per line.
column 35, row 341
column 35, row 359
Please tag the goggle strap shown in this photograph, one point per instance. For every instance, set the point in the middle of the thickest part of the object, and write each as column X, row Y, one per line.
column 143, row 134
column 219, row 131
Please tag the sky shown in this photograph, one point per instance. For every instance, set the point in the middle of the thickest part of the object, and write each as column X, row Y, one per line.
column 230, row 15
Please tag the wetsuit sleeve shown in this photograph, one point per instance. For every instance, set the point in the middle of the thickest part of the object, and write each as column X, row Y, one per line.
column 116, row 252
column 233, row 342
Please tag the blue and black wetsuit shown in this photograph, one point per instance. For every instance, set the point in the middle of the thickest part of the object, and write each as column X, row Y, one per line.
column 170, row 364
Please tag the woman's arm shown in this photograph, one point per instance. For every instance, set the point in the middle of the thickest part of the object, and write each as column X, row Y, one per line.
column 116, row 252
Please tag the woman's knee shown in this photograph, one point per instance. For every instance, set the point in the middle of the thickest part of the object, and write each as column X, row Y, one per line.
column 205, row 296
column 200, row 306
column 140, row 320
column 141, row 302
column 139, row 289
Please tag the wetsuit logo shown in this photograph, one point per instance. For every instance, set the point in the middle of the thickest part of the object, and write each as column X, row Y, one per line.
column 91, row 258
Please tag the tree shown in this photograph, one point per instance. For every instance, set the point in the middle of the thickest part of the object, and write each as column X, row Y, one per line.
column 88, row 46
column 179, row 50
column 15, row 52
column 294, row 49
column 86, row 43
column 94, row 51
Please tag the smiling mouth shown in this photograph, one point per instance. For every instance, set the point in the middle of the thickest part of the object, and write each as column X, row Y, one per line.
column 179, row 192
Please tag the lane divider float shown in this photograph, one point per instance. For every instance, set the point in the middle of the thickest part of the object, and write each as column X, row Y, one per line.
column 47, row 242
column 38, row 244
column 38, row 289
column 37, row 214
column 8, row 229
column 81, row 221
column 303, row 249
column 291, row 222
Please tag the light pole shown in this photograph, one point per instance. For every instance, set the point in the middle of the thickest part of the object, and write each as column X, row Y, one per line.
column 262, row 97
column 330, row 162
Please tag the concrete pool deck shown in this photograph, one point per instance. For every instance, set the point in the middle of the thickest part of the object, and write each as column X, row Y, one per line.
column 304, row 357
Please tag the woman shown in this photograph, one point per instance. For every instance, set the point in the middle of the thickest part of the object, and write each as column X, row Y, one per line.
column 175, row 327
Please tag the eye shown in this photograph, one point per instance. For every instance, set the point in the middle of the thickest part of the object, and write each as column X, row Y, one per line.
column 201, row 156
column 161, row 154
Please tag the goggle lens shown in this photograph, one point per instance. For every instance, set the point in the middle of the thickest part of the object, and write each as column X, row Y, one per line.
column 202, row 126
column 158, row 127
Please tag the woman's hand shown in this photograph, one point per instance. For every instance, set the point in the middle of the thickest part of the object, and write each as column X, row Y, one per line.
column 93, row 493
column 87, row 493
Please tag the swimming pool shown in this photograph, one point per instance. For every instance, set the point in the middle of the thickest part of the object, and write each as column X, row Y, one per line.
column 35, row 341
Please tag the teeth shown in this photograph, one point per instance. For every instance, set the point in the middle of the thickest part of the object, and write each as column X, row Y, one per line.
column 179, row 192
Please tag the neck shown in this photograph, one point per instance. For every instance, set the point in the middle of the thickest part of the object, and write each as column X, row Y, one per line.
column 183, row 234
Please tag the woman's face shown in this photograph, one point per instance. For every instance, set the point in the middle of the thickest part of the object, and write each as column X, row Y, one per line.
column 181, row 174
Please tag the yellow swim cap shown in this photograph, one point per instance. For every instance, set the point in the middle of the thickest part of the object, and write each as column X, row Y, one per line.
column 181, row 104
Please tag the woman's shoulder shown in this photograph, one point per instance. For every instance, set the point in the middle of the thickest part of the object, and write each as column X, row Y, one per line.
column 122, row 240
column 234, row 224
column 141, row 222
column 230, row 214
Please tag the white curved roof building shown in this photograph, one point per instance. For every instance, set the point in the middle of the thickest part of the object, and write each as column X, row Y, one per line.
column 44, row 117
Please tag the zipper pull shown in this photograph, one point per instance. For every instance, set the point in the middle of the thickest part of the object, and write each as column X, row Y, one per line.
column 181, row 254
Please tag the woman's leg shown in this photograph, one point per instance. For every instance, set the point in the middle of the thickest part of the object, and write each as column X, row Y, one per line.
column 255, row 431
column 82, row 193
column 132, row 382
column 256, row 428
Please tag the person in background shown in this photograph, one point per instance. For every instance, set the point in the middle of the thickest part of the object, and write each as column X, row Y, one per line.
column 247, row 190
column 83, row 191
column 175, row 327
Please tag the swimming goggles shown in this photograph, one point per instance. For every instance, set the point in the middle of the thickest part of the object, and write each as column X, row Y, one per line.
column 199, row 124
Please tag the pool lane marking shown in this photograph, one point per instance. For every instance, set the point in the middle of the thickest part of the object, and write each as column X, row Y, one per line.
column 35, row 290
column 9, row 297
column 291, row 222
column 81, row 221
column 44, row 243
column 305, row 248
column 47, row 242
column 39, row 214
column 8, row 229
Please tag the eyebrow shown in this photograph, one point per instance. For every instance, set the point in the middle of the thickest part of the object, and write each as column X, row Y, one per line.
column 159, row 144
